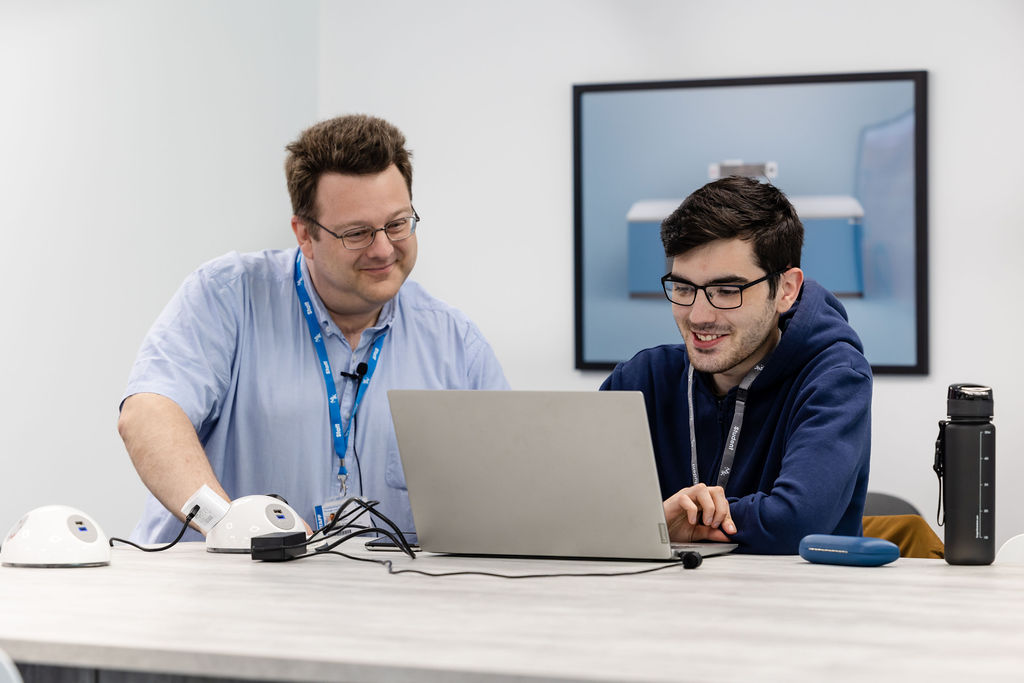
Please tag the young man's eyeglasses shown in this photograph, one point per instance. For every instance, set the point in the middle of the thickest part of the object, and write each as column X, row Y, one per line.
column 725, row 297
column 362, row 237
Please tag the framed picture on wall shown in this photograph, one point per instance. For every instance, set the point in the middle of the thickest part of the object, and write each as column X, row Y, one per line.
column 849, row 150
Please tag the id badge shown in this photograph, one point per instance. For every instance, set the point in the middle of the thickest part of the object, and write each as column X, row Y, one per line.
column 324, row 512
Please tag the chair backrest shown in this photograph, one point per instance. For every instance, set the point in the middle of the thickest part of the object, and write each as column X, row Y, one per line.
column 8, row 672
column 887, row 504
column 1012, row 551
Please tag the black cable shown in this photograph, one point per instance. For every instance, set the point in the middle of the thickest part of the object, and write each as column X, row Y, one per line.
column 331, row 535
column 329, row 547
column 682, row 562
column 334, row 535
column 339, row 515
column 188, row 518
column 355, row 453
column 397, row 537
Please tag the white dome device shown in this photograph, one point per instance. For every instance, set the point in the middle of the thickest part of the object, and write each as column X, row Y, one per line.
column 55, row 536
column 251, row 516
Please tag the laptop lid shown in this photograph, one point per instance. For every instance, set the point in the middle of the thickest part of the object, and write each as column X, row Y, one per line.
column 531, row 473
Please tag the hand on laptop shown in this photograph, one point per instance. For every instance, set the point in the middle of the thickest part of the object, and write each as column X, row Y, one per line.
column 699, row 513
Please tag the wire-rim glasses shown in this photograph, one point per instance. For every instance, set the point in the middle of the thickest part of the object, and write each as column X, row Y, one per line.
column 362, row 237
column 725, row 297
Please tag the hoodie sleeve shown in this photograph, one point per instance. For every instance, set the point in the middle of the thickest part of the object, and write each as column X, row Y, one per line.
column 824, row 467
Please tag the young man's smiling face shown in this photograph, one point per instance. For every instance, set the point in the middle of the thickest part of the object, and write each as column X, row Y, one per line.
column 727, row 343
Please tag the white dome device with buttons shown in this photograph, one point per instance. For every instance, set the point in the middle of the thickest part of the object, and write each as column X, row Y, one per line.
column 55, row 536
column 251, row 516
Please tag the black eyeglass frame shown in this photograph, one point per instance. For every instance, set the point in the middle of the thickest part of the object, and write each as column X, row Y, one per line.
column 415, row 218
column 668, row 277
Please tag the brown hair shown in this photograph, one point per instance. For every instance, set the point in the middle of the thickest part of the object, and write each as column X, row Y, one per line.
column 355, row 145
column 738, row 207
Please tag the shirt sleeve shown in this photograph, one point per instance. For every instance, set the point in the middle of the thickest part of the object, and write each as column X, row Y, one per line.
column 189, row 352
column 827, row 453
column 483, row 369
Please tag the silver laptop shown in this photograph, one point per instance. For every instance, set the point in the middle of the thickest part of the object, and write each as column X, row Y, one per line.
column 534, row 473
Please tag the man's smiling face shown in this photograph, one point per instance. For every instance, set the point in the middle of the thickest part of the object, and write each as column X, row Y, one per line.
column 727, row 343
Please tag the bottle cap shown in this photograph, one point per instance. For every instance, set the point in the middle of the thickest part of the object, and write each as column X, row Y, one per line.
column 969, row 400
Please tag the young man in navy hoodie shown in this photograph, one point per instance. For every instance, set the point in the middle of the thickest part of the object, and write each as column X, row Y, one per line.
column 761, row 420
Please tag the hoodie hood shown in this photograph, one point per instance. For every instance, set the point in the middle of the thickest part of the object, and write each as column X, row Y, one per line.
column 816, row 321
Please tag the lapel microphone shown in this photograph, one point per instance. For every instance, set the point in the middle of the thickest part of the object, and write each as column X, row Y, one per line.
column 358, row 374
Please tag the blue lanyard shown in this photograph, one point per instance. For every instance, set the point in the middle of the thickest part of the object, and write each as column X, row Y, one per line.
column 339, row 433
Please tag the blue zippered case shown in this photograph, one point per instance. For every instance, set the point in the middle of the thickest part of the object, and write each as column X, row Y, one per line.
column 858, row 551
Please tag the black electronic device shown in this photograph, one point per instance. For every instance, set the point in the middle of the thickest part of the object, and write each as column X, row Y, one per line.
column 278, row 546
column 358, row 375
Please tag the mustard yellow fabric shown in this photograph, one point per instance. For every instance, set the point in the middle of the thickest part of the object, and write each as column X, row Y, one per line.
column 910, row 532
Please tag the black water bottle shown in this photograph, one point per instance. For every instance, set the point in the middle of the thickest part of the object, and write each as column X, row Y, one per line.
column 965, row 460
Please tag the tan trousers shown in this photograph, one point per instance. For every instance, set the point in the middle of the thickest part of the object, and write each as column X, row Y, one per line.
column 910, row 532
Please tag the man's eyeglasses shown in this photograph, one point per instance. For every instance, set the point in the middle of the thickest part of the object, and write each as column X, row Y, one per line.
column 725, row 297
column 362, row 237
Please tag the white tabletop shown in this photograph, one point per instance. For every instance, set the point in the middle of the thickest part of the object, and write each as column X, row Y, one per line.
column 737, row 617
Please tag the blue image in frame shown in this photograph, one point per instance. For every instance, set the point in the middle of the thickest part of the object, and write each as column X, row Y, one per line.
column 848, row 150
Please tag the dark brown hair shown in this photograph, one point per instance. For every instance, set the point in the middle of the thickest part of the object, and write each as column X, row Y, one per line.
column 355, row 145
column 738, row 207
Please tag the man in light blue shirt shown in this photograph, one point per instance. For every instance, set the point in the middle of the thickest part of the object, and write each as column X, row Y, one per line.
column 249, row 379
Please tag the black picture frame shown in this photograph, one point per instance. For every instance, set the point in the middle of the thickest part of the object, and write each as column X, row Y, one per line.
column 619, row 129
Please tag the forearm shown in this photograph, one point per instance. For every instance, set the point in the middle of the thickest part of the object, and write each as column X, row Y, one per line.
column 165, row 450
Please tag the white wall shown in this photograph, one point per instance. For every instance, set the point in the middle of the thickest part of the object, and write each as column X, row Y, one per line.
column 483, row 91
column 138, row 139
